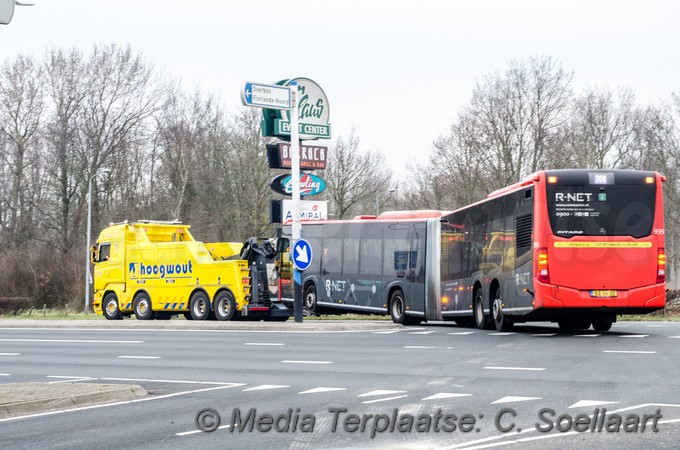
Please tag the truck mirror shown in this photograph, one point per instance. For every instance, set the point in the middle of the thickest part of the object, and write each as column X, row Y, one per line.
column 94, row 254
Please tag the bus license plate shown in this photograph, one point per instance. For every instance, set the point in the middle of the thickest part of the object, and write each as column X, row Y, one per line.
column 601, row 294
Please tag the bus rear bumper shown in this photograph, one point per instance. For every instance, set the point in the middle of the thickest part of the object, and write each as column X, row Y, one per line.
column 632, row 301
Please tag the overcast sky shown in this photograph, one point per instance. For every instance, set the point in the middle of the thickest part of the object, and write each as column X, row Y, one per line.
column 396, row 71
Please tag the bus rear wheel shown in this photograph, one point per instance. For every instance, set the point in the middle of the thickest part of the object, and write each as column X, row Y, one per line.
column 502, row 322
column 142, row 307
column 482, row 322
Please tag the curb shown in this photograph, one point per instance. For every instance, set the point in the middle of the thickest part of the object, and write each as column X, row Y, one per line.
column 20, row 399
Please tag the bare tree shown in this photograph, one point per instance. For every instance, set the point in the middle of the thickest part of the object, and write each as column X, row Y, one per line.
column 21, row 107
column 355, row 178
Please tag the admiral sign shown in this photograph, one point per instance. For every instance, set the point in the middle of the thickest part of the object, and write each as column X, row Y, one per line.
column 310, row 184
column 313, row 116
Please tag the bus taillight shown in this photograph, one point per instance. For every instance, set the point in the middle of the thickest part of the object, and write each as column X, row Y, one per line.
column 542, row 265
column 661, row 272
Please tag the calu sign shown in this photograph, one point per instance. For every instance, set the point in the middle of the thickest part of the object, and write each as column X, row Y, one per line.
column 309, row 184
column 313, row 113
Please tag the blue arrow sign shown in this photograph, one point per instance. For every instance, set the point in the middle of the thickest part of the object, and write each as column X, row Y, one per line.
column 270, row 96
column 302, row 254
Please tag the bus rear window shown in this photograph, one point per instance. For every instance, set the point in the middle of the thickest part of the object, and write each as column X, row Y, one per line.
column 601, row 210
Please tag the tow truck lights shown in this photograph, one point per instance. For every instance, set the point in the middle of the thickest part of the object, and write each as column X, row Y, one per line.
column 661, row 272
column 542, row 265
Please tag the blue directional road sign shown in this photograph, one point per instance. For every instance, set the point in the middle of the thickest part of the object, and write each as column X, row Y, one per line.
column 270, row 96
column 302, row 254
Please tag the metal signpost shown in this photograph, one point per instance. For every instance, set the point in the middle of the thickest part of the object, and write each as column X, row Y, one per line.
column 273, row 96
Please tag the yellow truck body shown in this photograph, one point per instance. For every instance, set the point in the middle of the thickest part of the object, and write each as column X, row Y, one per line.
column 157, row 269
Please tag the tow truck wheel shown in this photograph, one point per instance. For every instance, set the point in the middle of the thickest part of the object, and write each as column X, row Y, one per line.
column 110, row 307
column 224, row 306
column 199, row 306
column 142, row 307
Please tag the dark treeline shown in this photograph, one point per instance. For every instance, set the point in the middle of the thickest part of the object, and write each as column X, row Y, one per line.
column 178, row 155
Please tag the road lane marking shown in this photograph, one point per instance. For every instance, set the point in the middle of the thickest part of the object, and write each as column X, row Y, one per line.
column 293, row 361
column 502, row 334
column 10, row 354
column 384, row 399
column 588, row 335
column 544, row 335
column 5, row 374
column 674, row 337
column 422, row 332
column 85, row 408
column 590, row 403
column 514, row 399
column 265, row 344
column 386, row 332
column 68, row 379
column 380, row 392
column 187, row 433
column 461, row 333
column 536, row 369
column 630, row 352
column 319, row 390
column 419, row 346
column 138, row 357
column 77, row 341
column 634, row 335
column 264, row 387
column 443, row 395
column 218, row 383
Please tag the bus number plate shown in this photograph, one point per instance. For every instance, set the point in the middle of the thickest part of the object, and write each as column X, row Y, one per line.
column 603, row 294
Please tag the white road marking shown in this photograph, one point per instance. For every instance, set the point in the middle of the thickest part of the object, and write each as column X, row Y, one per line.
column 588, row 335
column 218, row 383
column 384, row 399
column 380, row 392
column 265, row 344
column 422, row 332
column 187, row 433
column 264, row 387
column 4, row 374
column 590, row 403
column 513, row 399
column 674, row 337
column 77, row 341
column 84, row 408
column 292, row 361
column 501, row 334
column 10, row 354
column 514, row 368
column 461, row 333
column 418, row 346
column 630, row 352
column 319, row 390
column 442, row 395
column 386, row 332
column 67, row 379
column 138, row 357
column 544, row 335
column 634, row 336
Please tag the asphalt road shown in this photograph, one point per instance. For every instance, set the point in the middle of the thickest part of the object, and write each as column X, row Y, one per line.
column 432, row 386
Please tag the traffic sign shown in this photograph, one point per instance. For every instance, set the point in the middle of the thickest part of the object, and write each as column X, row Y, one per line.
column 269, row 96
column 302, row 254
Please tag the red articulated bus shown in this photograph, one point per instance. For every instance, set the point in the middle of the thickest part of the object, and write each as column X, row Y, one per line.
column 577, row 247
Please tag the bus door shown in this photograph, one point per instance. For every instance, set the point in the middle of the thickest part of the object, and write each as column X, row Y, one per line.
column 399, row 263
column 333, row 287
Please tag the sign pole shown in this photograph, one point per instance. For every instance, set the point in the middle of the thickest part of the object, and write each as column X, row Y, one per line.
column 295, row 179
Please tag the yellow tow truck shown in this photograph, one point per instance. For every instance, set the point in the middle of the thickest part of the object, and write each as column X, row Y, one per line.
column 156, row 269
